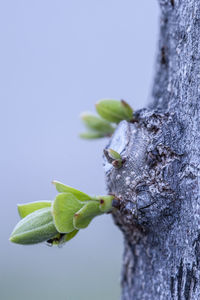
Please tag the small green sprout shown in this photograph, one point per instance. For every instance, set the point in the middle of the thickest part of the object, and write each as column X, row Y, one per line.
column 114, row 158
column 110, row 111
column 96, row 126
column 58, row 221
column 114, row 111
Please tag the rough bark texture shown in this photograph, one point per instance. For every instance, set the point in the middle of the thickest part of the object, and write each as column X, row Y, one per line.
column 158, row 185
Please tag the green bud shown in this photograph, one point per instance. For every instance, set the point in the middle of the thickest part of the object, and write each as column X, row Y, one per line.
column 97, row 125
column 114, row 111
column 62, row 188
column 28, row 208
column 114, row 154
column 113, row 158
column 35, row 228
column 64, row 207
column 84, row 216
column 105, row 203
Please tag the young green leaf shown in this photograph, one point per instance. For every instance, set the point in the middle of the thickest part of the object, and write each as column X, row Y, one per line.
column 69, row 236
column 114, row 110
column 90, row 135
column 105, row 203
column 62, row 188
column 84, row 216
column 97, row 125
column 35, row 228
column 63, row 209
column 28, row 208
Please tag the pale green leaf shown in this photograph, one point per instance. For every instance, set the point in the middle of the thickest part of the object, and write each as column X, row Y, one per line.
column 90, row 135
column 64, row 207
column 96, row 124
column 69, row 236
column 28, row 208
column 114, row 110
column 62, row 188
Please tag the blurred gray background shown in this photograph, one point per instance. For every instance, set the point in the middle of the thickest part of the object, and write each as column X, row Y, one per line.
column 57, row 58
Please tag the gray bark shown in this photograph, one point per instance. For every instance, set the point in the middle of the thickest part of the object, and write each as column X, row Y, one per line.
column 158, row 185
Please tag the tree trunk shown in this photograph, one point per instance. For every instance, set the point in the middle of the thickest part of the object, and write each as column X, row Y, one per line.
column 158, row 185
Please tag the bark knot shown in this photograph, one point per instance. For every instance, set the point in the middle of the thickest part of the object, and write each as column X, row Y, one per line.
column 146, row 195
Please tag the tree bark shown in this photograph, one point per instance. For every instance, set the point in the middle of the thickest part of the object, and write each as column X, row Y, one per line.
column 158, row 185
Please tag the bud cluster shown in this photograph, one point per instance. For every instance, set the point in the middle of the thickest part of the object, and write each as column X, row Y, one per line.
column 60, row 220
column 110, row 112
